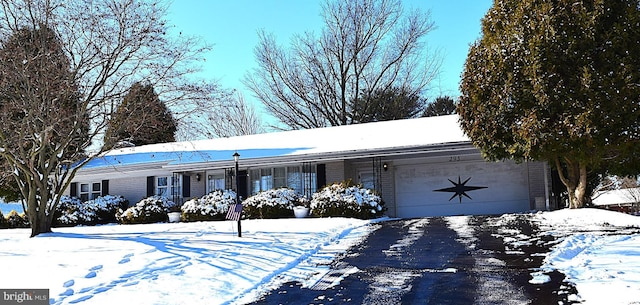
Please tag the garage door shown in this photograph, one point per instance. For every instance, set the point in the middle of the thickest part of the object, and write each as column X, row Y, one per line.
column 461, row 188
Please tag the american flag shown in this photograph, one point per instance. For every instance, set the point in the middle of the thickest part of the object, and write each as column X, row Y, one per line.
column 235, row 211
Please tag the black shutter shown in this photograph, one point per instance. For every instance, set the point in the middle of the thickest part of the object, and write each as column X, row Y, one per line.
column 321, row 176
column 243, row 189
column 186, row 186
column 105, row 187
column 151, row 186
column 73, row 192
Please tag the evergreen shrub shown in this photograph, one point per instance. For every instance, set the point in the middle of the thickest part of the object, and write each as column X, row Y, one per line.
column 3, row 222
column 149, row 210
column 17, row 220
column 101, row 210
column 213, row 206
column 272, row 204
column 347, row 200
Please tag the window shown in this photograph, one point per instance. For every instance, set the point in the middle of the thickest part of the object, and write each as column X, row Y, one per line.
column 367, row 180
column 279, row 177
column 162, row 187
column 294, row 179
column 301, row 180
column 90, row 191
column 215, row 182
column 266, row 179
column 168, row 187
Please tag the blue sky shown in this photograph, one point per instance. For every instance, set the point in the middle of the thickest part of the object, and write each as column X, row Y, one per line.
column 231, row 27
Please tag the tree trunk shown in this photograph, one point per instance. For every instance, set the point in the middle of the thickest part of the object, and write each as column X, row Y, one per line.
column 574, row 177
column 39, row 220
column 40, row 225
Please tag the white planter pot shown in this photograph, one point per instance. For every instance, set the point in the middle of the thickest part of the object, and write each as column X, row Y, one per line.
column 301, row 212
column 174, row 216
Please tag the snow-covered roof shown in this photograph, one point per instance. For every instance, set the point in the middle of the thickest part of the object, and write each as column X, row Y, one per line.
column 361, row 139
column 617, row 197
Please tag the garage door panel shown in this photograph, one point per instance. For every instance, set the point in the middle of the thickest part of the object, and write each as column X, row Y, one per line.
column 461, row 188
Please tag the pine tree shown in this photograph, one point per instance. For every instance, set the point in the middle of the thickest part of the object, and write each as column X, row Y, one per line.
column 386, row 105
column 140, row 119
column 557, row 81
column 443, row 105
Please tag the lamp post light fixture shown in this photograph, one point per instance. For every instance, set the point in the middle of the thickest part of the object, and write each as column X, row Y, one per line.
column 236, row 157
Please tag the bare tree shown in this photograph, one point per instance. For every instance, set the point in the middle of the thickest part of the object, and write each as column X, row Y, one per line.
column 365, row 45
column 234, row 117
column 96, row 50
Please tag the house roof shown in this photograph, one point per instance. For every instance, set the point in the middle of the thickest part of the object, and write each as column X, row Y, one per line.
column 350, row 141
column 617, row 197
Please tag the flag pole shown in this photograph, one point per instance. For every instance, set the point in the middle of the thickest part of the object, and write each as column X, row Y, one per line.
column 238, row 207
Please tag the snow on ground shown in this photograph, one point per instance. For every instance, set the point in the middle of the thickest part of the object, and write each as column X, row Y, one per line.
column 599, row 252
column 174, row 263
column 206, row 263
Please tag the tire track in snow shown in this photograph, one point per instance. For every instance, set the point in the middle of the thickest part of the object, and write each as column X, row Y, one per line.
column 493, row 286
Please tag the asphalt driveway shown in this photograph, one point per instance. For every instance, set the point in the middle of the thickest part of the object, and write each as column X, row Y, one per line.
column 442, row 260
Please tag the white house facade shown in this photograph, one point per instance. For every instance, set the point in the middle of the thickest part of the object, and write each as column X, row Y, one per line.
column 421, row 167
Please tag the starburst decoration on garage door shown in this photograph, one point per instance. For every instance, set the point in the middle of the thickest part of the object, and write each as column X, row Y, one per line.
column 460, row 189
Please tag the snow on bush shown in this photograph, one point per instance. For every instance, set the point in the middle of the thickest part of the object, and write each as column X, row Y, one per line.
column 149, row 210
column 71, row 211
column 104, row 208
column 213, row 206
column 346, row 200
column 274, row 203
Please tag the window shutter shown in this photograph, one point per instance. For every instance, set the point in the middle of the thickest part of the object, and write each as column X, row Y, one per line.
column 321, row 176
column 105, row 187
column 73, row 191
column 151, row 185
column 243, row 188
column 186, row 186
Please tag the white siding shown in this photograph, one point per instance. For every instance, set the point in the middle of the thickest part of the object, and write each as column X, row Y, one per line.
column 133, row 189
column 334, row 172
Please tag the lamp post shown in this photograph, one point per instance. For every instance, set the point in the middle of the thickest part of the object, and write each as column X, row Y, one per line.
column 236, row 157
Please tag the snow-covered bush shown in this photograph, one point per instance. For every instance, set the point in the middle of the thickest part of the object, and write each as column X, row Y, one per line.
column 72, row 211
column 346, row 200
column 149, row 210
column 213, row 206
column 275, row 203
column 16, row 220
column 103, row 209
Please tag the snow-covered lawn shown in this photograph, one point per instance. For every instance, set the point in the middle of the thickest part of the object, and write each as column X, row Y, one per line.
column 599, row 252
column 206, row 263
column 174, row 263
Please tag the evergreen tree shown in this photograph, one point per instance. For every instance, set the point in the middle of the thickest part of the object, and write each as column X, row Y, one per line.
column 140, row 119
column 386, row 105
column 443, row 105
column 557, row 81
